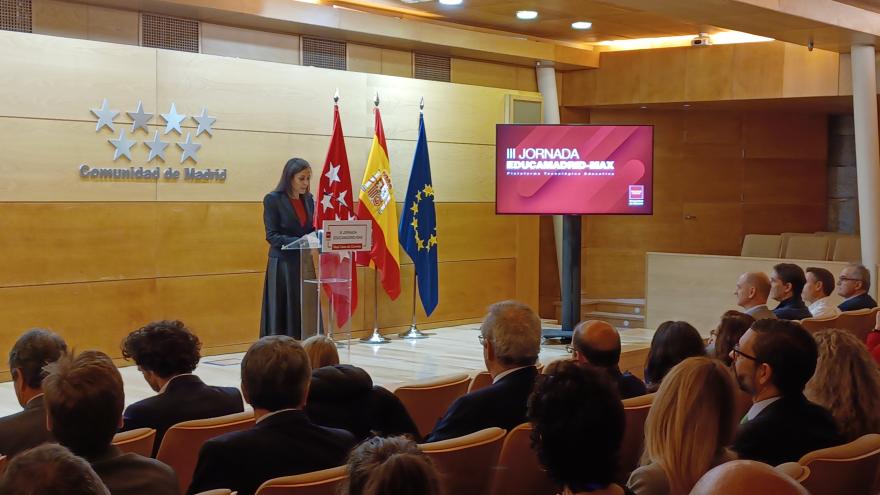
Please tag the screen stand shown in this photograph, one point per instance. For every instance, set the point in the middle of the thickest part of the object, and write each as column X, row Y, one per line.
column 571, row 279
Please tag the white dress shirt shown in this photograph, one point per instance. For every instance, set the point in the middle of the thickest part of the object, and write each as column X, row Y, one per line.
column 822, row 308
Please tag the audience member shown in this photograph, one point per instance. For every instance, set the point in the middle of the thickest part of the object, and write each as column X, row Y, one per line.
column 752, row 291
column 343, row 396
column 511, row 339
column 275, row 376
column 50, row 469
column 747, row 478
column 167, row 353
column 847, row 383
column 786, row 285
column 84, row 400
column 873, row 340
column 578, row 440
column 773, row 362
column 30, row 353
column 689, row 424
column 390, row 466
column 732, row 326
column 819, row 286
column 673, row 342
column 853, row 285
column 597, row 343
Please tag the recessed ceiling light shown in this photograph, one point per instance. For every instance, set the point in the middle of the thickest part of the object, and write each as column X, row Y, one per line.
column 581, row 25
column 451, row 2
column 526, row 14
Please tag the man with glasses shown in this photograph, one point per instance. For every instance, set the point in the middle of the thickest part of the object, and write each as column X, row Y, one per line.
column 773, row 361
column 597, row 343
column 511, row 340
column 853, row 285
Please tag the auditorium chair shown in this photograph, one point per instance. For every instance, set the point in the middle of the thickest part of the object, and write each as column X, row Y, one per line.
column 519, row 472
column 324, row 482
column 761, row 246
column 859, row 322
column 138, row 441
column 218, row 491
column 466, row 463
column 635, row 411
column 814, row 325
column 181, row 444
column 481, row 380
column 426, row 401
column 850, row 468
column 803, row 247
column 786, row 237
column 847, row 248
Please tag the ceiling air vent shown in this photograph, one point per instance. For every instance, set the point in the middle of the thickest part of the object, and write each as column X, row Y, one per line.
column 431, row 67
column 15, row 15
column 327, row 54
column 170, row 33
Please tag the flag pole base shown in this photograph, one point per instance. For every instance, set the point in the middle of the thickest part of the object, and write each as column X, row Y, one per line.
column 376, row 338
column 412, row 334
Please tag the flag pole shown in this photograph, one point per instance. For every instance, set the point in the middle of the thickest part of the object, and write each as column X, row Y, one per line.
column 376, row 337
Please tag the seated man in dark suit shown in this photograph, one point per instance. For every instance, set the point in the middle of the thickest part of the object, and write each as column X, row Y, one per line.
column 166, row 353
column 511, row 339
column 275, row 376
column 84, row 400
column 597, row 343
column 773, row 362
column 786, row 285
column 853, row 285
column 26, row 429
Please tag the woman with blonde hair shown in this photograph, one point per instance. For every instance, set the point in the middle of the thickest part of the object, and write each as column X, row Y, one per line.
column 321, row 351
column 690, row 423
column 847, row 383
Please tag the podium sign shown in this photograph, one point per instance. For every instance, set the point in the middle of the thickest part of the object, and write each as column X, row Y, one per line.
column 347, row 236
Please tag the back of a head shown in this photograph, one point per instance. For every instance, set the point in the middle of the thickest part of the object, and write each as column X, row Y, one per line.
column 732, row 326
column 393, row 466
column 789, row 350
column 598, row 342
column 761, row 282
column 84, row 400
column 578, row 425
column 746, row 478
column 789, row 273
column 673, row 342
column 167, row 348
column 50, row 468
column 321, row 351
column 691, row 420
column 514, row 331
column 32, row 351
column 275, row 373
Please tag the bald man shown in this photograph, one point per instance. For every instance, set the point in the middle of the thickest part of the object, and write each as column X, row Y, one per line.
column 598, row 343
column 752, row 291
column 746, row 478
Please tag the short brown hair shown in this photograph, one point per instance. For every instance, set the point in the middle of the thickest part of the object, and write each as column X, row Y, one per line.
column 275, row 373
column 84, row 401
column 390, row 466
column 321, row 351
column 32, row 351
column 51, row 468
column 824, row 276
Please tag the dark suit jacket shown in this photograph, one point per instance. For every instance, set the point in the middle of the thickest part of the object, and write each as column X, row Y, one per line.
column 629, row 385
column 502, row 404
column 24, row 430
column 282, row 444
column 792, row 308
column 862, row 301
column 132, row 474
column 786, row 430
column 282, row 225
column 185, row 398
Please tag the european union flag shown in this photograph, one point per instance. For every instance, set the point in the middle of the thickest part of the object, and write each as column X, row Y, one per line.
column 418, row 226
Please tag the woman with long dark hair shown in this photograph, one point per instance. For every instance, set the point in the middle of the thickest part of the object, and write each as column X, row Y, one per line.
column 288, row 213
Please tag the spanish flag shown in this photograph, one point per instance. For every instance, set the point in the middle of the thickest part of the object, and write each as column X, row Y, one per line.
column 376, row 203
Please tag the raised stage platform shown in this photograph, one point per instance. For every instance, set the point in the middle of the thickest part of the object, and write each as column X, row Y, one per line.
column 448, row 350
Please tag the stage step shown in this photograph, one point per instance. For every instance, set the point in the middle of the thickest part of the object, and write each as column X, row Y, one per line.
column 619, row 320
column 622, row 313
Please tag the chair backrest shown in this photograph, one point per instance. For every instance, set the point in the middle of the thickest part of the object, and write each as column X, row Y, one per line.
column 761, row 246
column 814, row 325
column 138, row 441
column 218, row 491
column 785, row 237
column 813, row 247
column 847, row 248
column 428, row 400
column 859, row 322
column 181, row 444
column 847, row 468
column 519, row 472
column 480, row 380
column 324, row 482
column 466, row 463
column 635, row 411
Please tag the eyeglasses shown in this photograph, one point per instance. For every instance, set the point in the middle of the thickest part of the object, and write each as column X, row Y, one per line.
column 482, row 340
column 570, row 349
column 738, row 352
column 841, row 279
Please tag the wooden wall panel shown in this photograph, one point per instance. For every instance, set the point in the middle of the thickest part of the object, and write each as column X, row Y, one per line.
column 620, row 77
column 792, row 181
column 711, row 228
column 228, row 41
column 757, row 70
column 60, row 19
column 114, row 26
column 768, row 218
column 397, row 63
column 656, row 65
column 809, row 73
column 709, row 72
column 363, row 58
column 786, row 136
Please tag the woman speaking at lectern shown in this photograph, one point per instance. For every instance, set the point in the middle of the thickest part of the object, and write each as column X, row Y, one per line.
column 287, row 215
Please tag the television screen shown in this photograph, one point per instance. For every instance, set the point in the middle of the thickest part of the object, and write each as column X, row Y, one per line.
column 574, row 169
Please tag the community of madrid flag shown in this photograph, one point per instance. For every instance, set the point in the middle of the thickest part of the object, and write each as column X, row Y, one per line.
column 334, row 203
column 418, row 227
column 376, row 203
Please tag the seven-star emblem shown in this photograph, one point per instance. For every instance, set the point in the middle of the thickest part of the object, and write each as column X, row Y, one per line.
column 123, row 146
column 173, row 120
column 157, row 147
column 205, row 123
column 105, row 116
column 139, row 118
column 190, row 149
